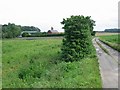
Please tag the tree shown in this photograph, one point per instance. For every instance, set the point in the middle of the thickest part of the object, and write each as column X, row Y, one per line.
column 77, row 40
column 30, row 28
column 10, row 30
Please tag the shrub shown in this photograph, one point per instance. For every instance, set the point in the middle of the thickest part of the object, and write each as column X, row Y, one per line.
column 25, row 34
column 77, row 39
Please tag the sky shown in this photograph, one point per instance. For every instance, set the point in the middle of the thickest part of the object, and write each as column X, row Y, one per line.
column 45, row 14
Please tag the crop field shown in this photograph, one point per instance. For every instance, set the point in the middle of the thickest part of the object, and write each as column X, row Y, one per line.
column 37, row 64
column 111, row 40
column 105, row 34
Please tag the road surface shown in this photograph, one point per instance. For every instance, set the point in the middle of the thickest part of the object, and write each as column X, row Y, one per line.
column 108, row 64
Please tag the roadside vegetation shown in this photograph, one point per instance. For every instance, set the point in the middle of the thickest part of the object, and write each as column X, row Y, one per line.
column 111, row 40
column 37, row 64
column 0, row 64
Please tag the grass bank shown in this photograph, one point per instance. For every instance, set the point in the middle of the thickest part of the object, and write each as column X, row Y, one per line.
column 111, row 40
column 37, row 64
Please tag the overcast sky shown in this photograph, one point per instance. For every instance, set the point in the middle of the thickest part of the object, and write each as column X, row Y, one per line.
column 45, row 14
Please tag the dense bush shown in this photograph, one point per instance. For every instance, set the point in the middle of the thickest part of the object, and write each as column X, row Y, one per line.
column 77, row 40
column 25, row 34
column 10, row 30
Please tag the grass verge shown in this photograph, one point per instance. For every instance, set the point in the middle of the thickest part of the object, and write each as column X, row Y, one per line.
column 111, row 40
column 112, row 45
column 0, row 64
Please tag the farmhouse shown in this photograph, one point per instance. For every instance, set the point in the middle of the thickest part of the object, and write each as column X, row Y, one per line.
column 52, row 31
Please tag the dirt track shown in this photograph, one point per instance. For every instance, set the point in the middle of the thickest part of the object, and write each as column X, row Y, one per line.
column 108, row 65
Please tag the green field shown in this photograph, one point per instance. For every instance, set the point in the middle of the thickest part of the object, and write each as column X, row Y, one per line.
column 111, row 40
column 37, row 64
column 0, row 64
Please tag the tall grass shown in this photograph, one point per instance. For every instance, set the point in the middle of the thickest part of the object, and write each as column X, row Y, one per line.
column 37, row 64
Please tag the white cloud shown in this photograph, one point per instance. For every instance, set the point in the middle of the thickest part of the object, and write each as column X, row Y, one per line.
column 47, row 13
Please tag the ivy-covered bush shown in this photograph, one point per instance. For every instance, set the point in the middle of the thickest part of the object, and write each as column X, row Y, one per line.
column 77, row 39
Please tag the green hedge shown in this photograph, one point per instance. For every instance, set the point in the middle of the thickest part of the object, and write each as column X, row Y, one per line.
column 45, row 35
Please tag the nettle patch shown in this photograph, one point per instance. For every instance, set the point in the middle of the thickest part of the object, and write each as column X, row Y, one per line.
column 77, row 39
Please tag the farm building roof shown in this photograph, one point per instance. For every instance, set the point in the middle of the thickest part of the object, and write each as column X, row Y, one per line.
column 53, row 31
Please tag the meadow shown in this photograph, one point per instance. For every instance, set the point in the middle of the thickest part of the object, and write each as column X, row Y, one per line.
column 111, row 40
column 37, row 64
column 0, row 64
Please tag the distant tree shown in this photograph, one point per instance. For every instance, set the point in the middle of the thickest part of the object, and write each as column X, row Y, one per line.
column 10, row 30
column 112, row 30
column 30, row 28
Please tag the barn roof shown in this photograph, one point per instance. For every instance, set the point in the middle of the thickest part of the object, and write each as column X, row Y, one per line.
column 54, row 31
column 29, row 31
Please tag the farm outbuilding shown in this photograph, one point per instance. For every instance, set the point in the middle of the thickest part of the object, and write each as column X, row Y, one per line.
column 52, row 31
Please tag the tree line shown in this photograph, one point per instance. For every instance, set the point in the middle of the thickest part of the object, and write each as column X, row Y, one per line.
column 112, row 30
column 11, row 30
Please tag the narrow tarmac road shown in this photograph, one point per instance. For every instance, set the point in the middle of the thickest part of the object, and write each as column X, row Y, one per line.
column 108, row 65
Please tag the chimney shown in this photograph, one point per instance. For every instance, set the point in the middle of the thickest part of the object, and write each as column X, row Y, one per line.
column 51, row 28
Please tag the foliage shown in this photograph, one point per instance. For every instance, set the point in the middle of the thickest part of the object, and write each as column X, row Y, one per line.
column 93, row 33
column 46, row 35
column 77, row 40
column 30, row 28
column 25, row 34
column 37, row 64
column 10, row 30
